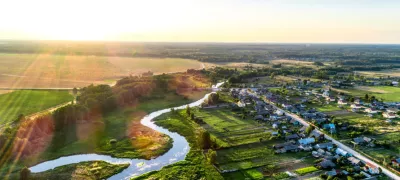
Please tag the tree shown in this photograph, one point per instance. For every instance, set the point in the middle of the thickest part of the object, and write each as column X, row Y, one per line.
column 205, row 140
column 188, row 110
column 366, row 97
column 272, row 75
column 192, row 116
column 349, row 178
column 211, row 156
column 270, row 169
column 75, row 91
column 309, row 129
column 25, row 173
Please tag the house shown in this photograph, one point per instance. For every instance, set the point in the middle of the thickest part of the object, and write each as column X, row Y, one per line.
column 358, row 140
column 275, row 126
column 372, row 169
column 294, row 122
column 292, row 137
column 389, row 115
column 392, row 110
column 291, row 148
column 341, row 152
column 342, row 102
column 279, row 112
column 286, row 105
column 358, row 101
column 330, row 99
column 306, row 141
column 356, row 106
column 259, row 117
column 396, row 162
column 371, row 110
column 328, row 146
column 395, row 83
column 327, row 164
column 316, row 134
column 354, row 161
column 325, row 94
column 241, row 104
column 274, row 133
column 330, row 127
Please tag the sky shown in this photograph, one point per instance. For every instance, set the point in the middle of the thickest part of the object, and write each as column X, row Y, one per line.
column 285, row 21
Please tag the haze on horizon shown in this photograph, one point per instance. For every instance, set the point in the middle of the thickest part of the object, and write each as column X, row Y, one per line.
column 286, row 21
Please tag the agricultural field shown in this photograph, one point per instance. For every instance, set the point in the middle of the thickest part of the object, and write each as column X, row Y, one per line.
column 68, row 71
column 383, row 73
column 246, row 145
column 289, row 63
column 27, row 102
column 387, row 93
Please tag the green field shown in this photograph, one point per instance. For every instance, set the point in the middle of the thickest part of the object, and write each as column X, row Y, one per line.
column 306, row 170
column 27, row 102
column 387, row 93
column 230, row 130
column 246, row 145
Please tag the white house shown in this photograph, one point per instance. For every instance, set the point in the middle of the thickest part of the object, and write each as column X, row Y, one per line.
column 395, row 83
column 341, row 152
column 342, row 102
column 371, row 110
column 325, row 94
column 389, row 115
column 356, row 106
column 279, row 112
column 241, row 104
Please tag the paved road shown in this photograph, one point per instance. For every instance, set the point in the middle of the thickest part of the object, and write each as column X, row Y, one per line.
column 341, row 145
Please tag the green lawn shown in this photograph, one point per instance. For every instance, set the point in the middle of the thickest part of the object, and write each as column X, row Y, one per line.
column 27, row 102
column 325, row 107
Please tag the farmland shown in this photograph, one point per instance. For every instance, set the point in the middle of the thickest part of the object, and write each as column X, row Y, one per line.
column 67, row 71
column 27, row 102
column 246, row 144
column 387, row 93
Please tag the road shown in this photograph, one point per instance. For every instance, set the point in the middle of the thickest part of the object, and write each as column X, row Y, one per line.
column 338, row 144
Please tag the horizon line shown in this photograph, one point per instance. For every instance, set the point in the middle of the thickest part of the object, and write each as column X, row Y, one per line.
column 200, row 42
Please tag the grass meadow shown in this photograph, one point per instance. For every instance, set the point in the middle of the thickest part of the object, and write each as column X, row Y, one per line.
column 27, row 102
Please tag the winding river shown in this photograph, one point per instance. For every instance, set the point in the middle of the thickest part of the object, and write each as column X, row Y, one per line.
column 137, row 166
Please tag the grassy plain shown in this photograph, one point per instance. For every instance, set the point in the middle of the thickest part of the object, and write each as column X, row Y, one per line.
column 66, row 71
column 27, row 102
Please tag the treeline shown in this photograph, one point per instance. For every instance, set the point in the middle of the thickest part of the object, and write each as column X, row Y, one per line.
column 214, row 52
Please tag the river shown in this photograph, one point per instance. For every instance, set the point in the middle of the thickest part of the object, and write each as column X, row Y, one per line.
column 137, row 167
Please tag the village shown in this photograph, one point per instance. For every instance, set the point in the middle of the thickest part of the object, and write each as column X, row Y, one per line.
column 282, row 109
